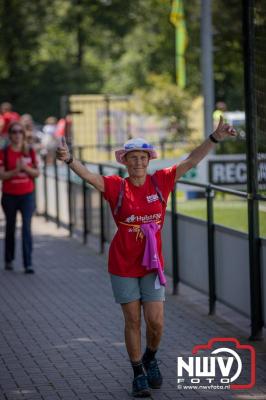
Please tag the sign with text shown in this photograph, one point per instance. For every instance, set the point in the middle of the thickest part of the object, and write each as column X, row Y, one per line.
column 233, row 172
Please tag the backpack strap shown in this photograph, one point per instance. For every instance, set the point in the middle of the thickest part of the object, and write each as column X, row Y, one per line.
column 122, row 191
column 31, row 154
column 32, row 157
column 120, row 196
column 159, row 193
column 5, row 155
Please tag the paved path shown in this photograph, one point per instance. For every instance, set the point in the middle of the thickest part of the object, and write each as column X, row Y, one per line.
column 61, row 334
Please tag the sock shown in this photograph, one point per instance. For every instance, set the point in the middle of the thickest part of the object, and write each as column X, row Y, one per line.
column 148, row 356
column 137, row 368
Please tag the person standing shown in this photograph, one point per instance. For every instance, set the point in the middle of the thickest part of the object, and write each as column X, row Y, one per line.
column 138, row 205
column 33, row 135
column 18, row 168
column 7, row 116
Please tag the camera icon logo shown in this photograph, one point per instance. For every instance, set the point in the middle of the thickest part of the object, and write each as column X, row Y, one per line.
column 221, row 368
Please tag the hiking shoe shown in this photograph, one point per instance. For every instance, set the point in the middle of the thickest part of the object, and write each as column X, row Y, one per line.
column 9, row 266
column 154, row 375
column 140, row 386
column 29, row 270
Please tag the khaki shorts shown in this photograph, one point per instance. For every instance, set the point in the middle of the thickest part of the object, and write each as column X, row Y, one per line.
column 127, row 289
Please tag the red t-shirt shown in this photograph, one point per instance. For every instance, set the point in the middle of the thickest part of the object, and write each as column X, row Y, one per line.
column 21, row 183
column 6, row 119
column 140, row 205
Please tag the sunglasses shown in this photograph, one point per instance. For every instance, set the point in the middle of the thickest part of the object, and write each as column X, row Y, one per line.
column 138, row 146
column 16, row 131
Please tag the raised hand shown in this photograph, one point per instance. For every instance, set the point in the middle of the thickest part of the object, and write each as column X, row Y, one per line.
column 18, row 166
column 23, row 164
column 223, row 130
column 62, row 151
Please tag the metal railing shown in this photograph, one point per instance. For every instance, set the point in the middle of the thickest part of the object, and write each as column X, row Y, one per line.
column 255, row 281
column 87, row 192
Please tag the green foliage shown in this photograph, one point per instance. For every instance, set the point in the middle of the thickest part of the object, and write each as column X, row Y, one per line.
column 228, row 211
column 232, row 146
column 228, row 54
column 19, row 39
column 163, row 98
column 49, row 48
column 193, row 52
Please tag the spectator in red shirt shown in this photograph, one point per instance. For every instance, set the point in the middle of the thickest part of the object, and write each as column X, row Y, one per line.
column 7, row 116
column 138, row 205
column 18, row 168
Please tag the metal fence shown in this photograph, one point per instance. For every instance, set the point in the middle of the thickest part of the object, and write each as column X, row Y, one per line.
column 71, row 202
column 254, row 83
column 86, row 212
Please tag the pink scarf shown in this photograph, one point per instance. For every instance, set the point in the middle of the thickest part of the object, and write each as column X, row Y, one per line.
column 151, row 258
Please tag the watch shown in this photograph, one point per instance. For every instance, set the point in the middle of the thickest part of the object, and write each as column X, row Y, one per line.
column 212, row 139
column 70, row 160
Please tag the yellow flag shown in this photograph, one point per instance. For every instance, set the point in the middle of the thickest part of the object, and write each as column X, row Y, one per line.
column 177, row 18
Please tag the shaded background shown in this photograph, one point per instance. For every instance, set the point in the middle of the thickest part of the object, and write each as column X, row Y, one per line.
column 62, row 47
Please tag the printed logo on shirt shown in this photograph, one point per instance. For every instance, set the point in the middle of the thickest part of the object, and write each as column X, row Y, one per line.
column 152, row 198
column 143, row 219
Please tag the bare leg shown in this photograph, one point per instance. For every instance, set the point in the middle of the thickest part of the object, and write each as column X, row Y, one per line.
column 132, row 315
column 153, row 314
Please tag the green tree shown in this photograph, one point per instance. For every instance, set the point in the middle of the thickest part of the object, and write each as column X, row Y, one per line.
column 164, row 99
column 19, row 39
column 54, row 47
column 228, row 53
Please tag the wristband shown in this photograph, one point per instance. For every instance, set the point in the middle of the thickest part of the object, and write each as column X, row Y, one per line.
column 70, row 160
column 212, row 139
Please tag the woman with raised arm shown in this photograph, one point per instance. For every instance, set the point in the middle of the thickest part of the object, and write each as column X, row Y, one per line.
column 18, row 168
column 138, row 205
